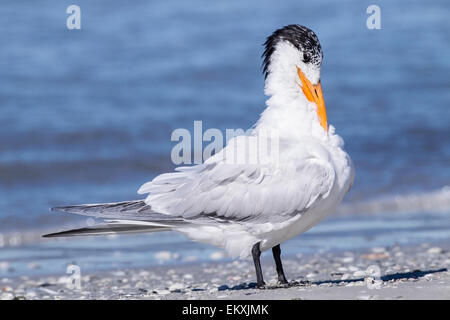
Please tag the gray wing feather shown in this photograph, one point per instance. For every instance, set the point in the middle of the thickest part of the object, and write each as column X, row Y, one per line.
column 127, row 210
column 136, row 210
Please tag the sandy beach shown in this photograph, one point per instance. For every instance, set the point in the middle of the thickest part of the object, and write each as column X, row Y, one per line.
column 377, row 273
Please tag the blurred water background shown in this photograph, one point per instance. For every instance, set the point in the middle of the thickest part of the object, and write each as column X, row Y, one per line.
column 86, row 115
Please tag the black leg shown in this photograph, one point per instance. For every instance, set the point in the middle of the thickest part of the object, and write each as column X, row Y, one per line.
column 277, row 256
column 256, row 253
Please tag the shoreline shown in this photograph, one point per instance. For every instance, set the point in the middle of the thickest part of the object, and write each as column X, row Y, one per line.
column 406, row 272
column 41, row 257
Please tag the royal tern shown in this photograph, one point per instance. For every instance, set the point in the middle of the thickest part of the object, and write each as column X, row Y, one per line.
column 249, row 207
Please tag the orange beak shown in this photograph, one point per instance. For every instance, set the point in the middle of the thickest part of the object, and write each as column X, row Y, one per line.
column 314, row 94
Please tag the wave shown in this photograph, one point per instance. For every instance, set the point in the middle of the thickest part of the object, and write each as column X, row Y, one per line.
column 436, row 201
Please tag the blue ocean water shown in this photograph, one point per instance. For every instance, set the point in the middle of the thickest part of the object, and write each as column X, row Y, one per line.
column 86, row 115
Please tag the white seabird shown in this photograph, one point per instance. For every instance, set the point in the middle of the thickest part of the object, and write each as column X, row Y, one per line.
column 248, row 207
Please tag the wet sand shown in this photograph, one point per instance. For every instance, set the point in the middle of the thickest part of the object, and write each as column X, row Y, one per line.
column 378, row 273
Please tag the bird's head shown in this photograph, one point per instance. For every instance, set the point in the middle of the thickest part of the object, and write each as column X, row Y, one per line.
column 292, row 62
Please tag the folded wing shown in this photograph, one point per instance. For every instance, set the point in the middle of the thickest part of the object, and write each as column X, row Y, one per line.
column 246, row 192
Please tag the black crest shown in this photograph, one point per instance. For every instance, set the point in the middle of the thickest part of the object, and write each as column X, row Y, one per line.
column 301, row 37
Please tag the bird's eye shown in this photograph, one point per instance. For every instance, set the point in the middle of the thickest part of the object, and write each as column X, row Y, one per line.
column 306, row 58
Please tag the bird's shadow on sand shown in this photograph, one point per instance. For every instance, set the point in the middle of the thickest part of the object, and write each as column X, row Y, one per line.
column 416, row 274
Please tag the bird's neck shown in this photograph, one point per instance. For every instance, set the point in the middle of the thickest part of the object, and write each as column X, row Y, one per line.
column 288, row 110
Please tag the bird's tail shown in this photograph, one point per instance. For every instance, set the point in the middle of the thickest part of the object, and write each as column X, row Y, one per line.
column 120, row 217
